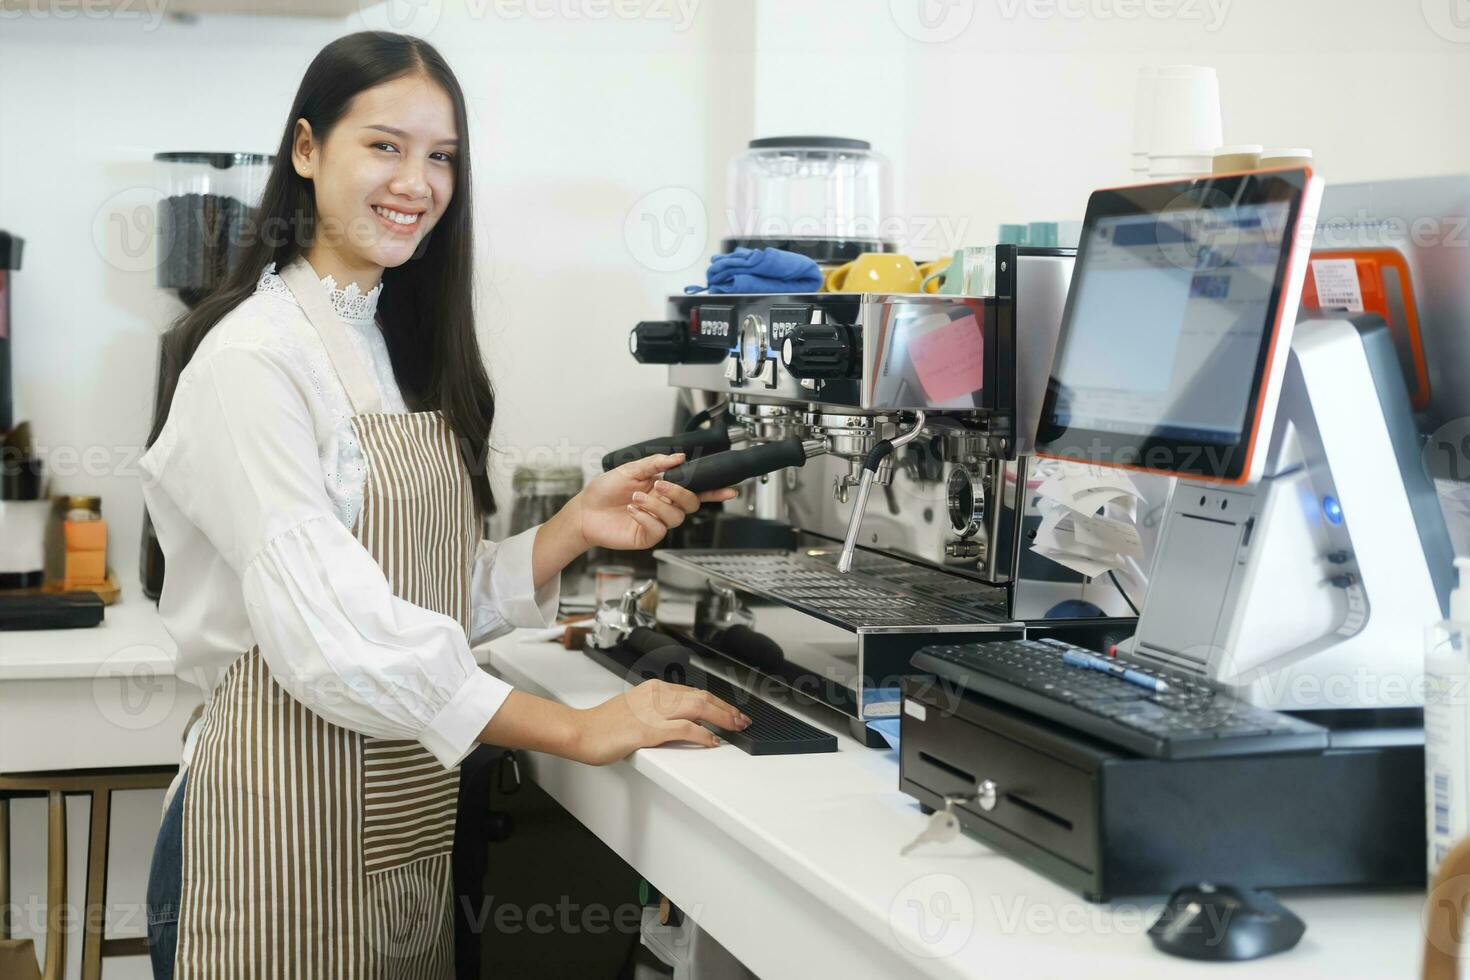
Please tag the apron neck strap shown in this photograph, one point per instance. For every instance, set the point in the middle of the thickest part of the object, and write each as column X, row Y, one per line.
column 362, row 390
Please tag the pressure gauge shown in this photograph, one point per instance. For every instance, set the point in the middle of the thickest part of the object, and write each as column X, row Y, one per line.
column 966, row 498
column 754, row 345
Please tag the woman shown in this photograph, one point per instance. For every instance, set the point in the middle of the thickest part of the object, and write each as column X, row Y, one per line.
column 317, row 480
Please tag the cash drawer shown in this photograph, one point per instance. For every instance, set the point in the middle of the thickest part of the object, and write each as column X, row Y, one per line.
column 1028, row 792
column 1107, row 823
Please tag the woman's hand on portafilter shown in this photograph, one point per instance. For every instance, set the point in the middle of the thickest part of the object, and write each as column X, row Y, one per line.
column 630, row 508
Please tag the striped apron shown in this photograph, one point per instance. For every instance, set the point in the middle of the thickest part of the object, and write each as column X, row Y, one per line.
column 311, row 850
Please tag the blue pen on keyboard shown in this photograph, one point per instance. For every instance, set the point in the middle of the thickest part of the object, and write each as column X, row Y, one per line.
column 1086, row 660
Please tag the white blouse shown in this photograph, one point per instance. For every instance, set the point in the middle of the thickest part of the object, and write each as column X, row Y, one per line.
column 253, row 487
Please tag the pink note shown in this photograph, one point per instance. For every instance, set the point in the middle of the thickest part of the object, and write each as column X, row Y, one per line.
column 950, row 360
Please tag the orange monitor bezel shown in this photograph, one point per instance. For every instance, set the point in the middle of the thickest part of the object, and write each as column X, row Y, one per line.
column 1292, row 256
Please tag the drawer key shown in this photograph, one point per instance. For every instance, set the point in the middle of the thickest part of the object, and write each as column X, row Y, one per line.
column 944, row 826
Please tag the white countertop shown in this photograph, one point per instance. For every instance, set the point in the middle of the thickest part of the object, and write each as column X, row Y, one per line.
column 130, row 635
column 103, row 696
column 790, row 861
column 829, row 827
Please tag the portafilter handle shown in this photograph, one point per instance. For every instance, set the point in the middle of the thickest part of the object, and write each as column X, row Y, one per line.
column 699, row 442
column 874, row 459
column 737, row 465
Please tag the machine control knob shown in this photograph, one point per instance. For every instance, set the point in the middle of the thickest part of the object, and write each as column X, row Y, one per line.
column 821, row 350
column 986, row 794
column 659, row 342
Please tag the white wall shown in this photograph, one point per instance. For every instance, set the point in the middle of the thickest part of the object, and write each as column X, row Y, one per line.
column 1014, row 110
column 592, row 134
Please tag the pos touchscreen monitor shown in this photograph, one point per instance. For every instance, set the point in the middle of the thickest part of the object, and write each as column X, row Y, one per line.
column 1178, row 324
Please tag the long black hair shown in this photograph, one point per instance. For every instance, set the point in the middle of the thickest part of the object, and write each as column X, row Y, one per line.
column 427, row 305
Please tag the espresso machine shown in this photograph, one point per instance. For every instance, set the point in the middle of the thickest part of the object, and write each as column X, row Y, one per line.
column 881, row 444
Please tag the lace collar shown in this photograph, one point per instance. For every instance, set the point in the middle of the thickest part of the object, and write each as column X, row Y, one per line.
column 351, row 304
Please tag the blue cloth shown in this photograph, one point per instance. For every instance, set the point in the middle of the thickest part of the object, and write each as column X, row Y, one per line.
column 761, row 270
column 888, row 728
column 880, row 695
column 166, row 887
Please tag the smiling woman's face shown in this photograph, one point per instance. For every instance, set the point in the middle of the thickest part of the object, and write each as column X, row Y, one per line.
column 382, row 179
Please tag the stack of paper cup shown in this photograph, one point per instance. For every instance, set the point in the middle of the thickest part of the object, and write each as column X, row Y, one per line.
column 1241, row 156
column 1286, row 156
column 1186, row 124
column 1143, row 118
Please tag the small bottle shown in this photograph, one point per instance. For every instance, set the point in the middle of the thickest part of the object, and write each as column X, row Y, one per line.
column 85, row 534
column 1447, row 723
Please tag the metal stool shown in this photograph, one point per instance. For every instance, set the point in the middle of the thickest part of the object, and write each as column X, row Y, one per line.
column 99, row 785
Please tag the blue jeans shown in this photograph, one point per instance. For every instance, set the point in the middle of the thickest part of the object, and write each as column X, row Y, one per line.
column 165, row 887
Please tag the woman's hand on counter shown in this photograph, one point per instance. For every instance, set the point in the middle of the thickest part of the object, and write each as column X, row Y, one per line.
column 629, row 507
column 650, row 714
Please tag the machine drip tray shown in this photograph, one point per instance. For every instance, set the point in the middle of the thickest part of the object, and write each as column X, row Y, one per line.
column 879, row 594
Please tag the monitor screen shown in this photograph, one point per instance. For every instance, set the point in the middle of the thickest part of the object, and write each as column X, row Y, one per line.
column 1170, row 323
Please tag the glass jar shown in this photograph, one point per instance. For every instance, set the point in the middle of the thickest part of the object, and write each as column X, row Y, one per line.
column 79, row 508
column 204, row 221
column 824, row 196
column 540, row 490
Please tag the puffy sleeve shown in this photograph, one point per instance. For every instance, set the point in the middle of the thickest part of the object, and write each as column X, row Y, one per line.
column 239, row 456
column 503, row 592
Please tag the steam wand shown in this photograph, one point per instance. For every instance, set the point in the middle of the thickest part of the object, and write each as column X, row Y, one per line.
column 871, row 463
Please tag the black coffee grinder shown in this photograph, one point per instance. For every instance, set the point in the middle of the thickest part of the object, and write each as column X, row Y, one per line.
column 11, row 247
column 205, row 222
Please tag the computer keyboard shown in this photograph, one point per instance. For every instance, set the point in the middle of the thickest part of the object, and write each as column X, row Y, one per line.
column 1190, row 720
column 771, row 731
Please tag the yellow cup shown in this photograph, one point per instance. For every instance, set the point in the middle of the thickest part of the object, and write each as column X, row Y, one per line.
column 879, row 272
column 934, row 275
